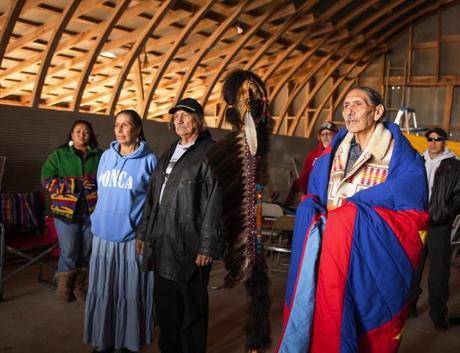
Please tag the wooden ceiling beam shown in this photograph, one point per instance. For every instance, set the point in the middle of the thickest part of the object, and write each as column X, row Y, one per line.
column 312, row 93
column 327, row 76
column 301, row 84
column 48, row 54
column 36, row 33
column 58, row 68
column 247, row 20
column 339, row 6
column 95, row 51
column 294, row 94
column 382, row 25
column 4, row 18
column 201, row 71
column 64, row 45
column 321, row 20
column 139, row 83
column 119, row 61
column 263, row 48
column 236, row 47
column 207, row 46
column 7, row 29
column 306, row 6
column 136, row 50
column 167, row 57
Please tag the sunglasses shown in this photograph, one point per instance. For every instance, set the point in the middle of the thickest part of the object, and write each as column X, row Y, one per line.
column 326, row 133
column 437, row 139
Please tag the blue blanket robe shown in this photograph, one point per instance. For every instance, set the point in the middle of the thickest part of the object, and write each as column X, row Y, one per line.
column 351, row 269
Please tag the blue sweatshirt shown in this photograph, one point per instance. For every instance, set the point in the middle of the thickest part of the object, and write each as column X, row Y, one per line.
column 122, row 183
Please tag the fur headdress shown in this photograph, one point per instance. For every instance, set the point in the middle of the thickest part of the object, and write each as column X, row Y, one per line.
column 238, row 162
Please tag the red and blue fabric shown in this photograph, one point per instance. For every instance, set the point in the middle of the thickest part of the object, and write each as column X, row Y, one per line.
column 352, row 268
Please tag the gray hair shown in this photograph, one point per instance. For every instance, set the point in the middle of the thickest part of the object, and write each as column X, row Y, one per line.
column 198, row 119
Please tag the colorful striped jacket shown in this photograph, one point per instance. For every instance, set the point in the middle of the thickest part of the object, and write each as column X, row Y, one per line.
column 62, row 175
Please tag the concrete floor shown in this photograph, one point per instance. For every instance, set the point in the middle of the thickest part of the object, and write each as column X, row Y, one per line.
column 31, row 320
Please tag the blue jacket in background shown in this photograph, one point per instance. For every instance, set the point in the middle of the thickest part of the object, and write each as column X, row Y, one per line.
column 122, row 187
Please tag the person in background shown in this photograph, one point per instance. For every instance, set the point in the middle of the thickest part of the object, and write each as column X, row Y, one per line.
column 443, row 172
column 180, row 232
column 119, row 308
column 326, row 133
column 69, row 175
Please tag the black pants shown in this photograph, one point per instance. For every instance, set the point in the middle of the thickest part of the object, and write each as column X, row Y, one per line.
column 183, row 313
column 438, row 252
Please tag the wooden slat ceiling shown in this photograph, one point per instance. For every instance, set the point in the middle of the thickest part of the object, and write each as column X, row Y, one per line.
column 104, row 56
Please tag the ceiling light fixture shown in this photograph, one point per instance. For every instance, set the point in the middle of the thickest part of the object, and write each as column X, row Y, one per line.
column 109, row 54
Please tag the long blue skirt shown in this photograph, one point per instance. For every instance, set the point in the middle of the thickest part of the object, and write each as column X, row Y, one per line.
column 119, row 304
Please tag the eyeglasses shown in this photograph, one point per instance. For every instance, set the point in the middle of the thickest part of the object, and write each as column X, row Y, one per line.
column 436, row 139
column 326, row 133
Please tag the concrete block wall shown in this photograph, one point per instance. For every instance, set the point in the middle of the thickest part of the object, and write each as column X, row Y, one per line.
column 28, row 135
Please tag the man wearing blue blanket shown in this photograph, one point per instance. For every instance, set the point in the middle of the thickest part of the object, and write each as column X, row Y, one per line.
column 358, row 238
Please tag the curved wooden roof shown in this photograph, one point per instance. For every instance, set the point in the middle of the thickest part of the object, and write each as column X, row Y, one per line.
column 106, row 55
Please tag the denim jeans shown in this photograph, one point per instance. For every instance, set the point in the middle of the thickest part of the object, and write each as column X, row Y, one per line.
column 75, row 242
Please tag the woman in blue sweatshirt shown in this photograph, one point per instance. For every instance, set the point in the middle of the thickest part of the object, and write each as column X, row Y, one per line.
column 119, row 306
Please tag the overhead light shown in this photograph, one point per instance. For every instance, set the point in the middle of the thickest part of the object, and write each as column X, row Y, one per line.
column 239, row 29
column 109, row 54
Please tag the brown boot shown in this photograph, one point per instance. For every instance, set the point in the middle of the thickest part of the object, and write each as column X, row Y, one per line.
column 64, row 286
column 80, row 286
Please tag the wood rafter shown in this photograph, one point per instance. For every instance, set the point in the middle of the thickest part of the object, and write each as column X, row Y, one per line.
column 263, row 49
column 164, row 50
column 7, row 29
column 168, row 56
column 48, row 54
column 207, row 46
column 135, row 51
column 109, row 25
column 236, row 47
column 325, row 77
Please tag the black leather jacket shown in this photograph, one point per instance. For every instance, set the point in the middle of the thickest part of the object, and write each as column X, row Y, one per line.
column 188, row 221
column 445, row 196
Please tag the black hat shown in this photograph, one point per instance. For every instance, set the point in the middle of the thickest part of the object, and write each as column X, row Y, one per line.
column 437, row 130
column 327, row 125
column 190, row 105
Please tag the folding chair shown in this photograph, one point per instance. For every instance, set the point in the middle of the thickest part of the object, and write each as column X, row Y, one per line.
column 277, row 246
column 270, row 213
column 44, row 243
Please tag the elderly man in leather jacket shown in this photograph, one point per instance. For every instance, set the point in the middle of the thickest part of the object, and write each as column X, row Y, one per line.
column 180, row 233
column 443, row 172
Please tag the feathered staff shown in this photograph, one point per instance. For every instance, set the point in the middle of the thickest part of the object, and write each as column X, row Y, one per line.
column 239, row 163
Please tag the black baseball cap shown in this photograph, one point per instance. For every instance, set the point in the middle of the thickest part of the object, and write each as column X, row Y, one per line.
column 437, row 130
column 190, row 105
column 328, row 125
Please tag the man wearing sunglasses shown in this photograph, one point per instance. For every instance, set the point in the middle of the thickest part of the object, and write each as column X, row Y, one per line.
column 443, row 173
